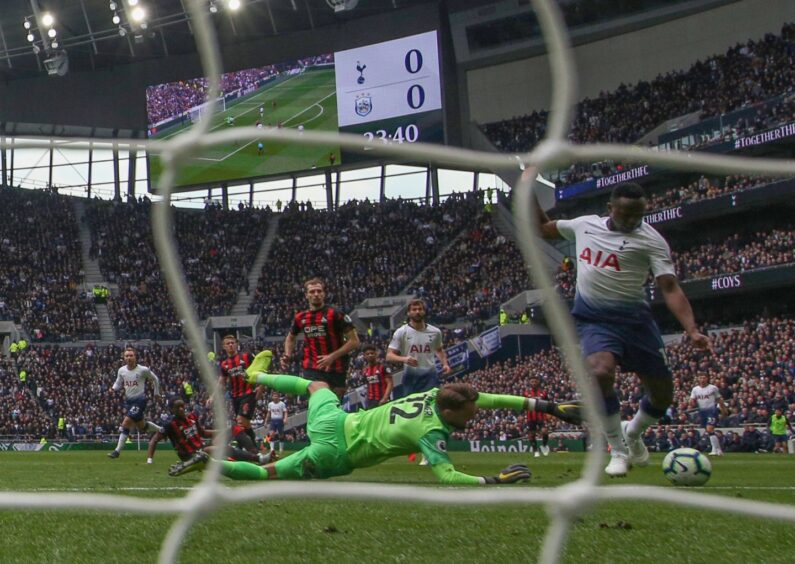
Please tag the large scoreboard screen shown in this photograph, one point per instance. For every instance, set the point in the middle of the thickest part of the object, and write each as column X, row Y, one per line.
column 389, row 91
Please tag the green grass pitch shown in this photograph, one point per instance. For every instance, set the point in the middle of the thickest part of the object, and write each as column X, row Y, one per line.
column 343, row 531
column 306, row 99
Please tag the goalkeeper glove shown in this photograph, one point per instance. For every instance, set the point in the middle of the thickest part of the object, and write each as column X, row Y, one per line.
column 509, row 475
column 568, row 411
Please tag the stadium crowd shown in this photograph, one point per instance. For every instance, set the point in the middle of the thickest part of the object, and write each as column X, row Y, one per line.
column 753, row 367
column 217, row 248
column 480, row 272
column 745, row 75
column 366, row 249
column 41, row 267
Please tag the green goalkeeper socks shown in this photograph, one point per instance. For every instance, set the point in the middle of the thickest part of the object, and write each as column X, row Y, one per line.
column 282, row 383
column 243, row 471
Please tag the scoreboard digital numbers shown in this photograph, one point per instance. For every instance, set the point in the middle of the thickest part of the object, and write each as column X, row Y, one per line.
column 391, row 91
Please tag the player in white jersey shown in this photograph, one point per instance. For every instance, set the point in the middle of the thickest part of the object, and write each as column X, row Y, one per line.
column 707, row 397
column 613, row 319
column 277, row 415
column 132, row 377
column 416, row 345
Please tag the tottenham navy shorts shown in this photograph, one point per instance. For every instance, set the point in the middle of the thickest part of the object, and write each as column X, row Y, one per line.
column 638, row 347
column 135, row 408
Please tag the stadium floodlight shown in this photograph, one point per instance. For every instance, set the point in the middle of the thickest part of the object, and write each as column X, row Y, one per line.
column 26, row 25
column 51, row 33
column 342, row 5
column 47, row 20
column 138, row 14
column 54, row 44
column 213, row 8
column 112, row 5
column 233, row 4
column 116, row 18
column 132, row 3
column 30, row 37
column 122, row 31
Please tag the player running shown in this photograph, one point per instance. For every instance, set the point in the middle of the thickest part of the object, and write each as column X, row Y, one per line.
column 341, row 442
column 132, row 376
column 613, row 319
column 708, row 398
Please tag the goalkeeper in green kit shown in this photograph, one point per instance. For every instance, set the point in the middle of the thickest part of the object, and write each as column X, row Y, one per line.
column 341, row 442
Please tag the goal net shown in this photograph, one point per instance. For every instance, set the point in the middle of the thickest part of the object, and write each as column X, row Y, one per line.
column 564, row 504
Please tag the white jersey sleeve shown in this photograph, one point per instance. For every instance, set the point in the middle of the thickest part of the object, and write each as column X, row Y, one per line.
column 155, row 380
column 119, row 383
column 398, row 340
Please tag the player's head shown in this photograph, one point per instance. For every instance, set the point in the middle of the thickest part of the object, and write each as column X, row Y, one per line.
column 230, row 345
column 178, row 408
column 416, row 310
column 275, row 397
column 456, row 403
column 130, row 357
column 703, row 380
column 370, row 354
column 315, row 291
column 626, row 206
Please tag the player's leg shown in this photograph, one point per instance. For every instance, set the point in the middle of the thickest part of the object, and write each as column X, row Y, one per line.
column 602, row 367
column 531, row 438
column 645, row 354
column 714, row 443
column 124, row 433
column 150, row 451
column 545, row 441
column 292, row 385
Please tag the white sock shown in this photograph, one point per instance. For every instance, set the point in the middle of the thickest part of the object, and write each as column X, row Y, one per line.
column 122, row 439
column 713, row 440
column 612, row 425
column 640, row 423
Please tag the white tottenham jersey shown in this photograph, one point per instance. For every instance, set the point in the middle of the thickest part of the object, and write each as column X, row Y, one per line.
column 134, row 381
column 612, row 266
column 421, row 345
column 277, row 410
column 706, row 397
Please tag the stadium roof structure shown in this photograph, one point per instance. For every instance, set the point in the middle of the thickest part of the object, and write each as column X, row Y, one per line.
column 85, row 29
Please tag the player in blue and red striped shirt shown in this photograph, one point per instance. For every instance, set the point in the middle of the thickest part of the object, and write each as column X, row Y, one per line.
column 329, row 338
column 378, row 376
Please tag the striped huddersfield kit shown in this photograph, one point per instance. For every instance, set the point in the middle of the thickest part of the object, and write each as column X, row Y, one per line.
column 323, row 332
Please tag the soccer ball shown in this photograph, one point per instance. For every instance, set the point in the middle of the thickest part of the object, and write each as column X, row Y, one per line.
column 687, row 467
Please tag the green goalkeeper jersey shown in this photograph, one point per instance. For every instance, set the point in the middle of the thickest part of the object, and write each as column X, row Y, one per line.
column 402, row 427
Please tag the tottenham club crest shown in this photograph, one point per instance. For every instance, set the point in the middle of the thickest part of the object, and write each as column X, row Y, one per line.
column 363, row 105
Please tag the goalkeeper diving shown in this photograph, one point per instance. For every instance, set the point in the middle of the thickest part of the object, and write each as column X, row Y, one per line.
column 341, row 442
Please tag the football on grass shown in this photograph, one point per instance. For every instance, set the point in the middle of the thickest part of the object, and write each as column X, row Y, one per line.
column 687, row 467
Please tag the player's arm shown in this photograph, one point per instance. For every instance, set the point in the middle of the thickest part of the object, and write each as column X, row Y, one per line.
column 351, row 343
column 118, row 384
column 388, row 387
column 289, row 346
column 259, row 391
column 155, row 382
column 678, row 304
column 393, row 355
column 221, row 386
column 442, row 356
column 569, row 411
column 284, row 417
column 547, row 227
column 434, row 446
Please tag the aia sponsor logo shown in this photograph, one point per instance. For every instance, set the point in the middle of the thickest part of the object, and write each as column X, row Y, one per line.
column 600, row 259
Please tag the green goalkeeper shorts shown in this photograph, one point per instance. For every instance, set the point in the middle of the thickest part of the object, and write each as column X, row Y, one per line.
column 326, row 454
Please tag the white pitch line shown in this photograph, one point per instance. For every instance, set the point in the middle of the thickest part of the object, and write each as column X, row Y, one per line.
column 257, row 95
column 284, row 122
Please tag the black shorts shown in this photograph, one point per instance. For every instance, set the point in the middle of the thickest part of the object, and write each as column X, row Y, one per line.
column 244, row 405
column 535, row 426
column 333, row 379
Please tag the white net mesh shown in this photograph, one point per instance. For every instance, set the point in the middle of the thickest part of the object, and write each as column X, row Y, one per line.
column 564, row 503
